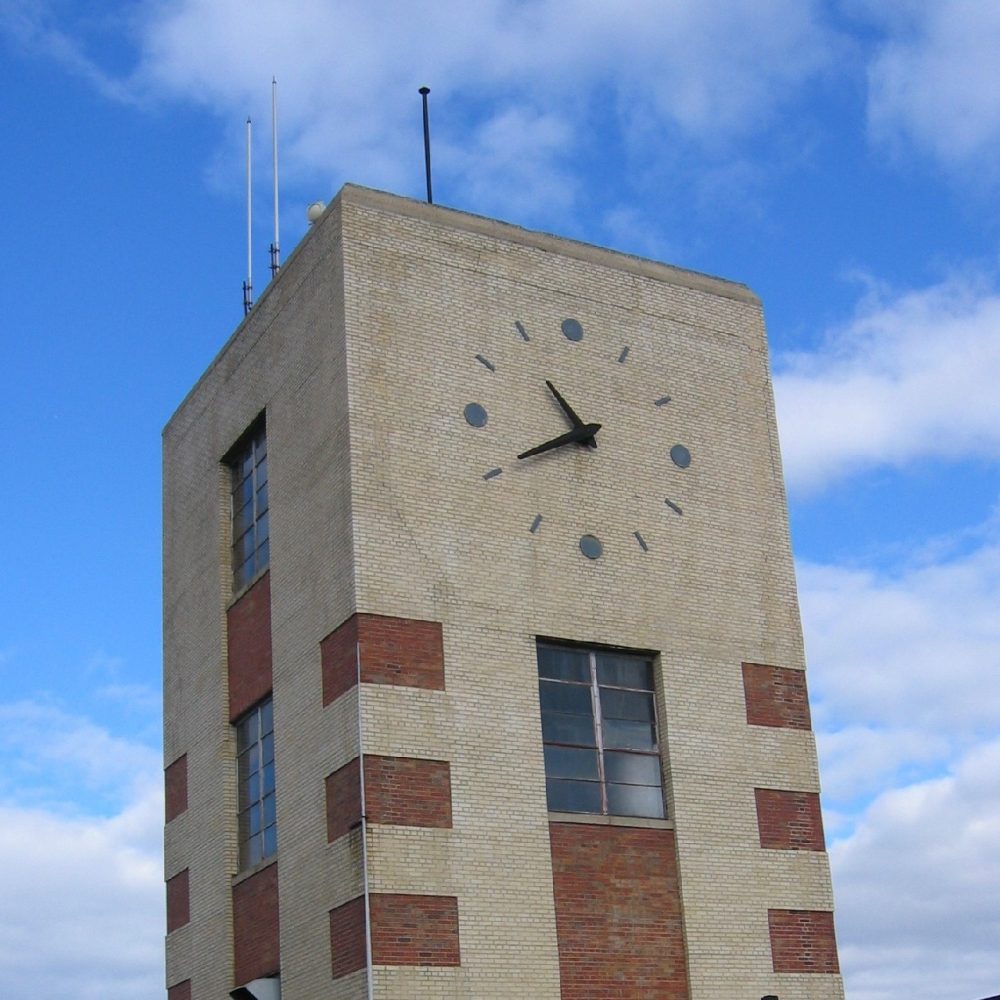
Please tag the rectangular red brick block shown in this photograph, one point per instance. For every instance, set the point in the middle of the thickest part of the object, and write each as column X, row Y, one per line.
column 343, row 800
column 180, row 991
column 789, row 821
column 803, row 941
column 178, row 900
column 401, row 651
column 347, row 938
column 619, row 927
column 776, row 696
column 414, row 930
column 249, row 630
column 255, row 926
column 175, row 788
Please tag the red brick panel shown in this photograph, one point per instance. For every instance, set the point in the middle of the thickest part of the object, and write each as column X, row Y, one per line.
column 175, row 788
column 343, row 801
column 802, row 941
column 776, row 696
column 178, row 900
column 249, row 626
column 400, row 651
column 407, row 791
column 618, row 913
column 347, row 938
column 180, row 991
column 414, row 930
column 255, row 926
column 790, row 821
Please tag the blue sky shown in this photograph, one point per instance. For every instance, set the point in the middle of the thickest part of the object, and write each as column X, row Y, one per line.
column 839, row 157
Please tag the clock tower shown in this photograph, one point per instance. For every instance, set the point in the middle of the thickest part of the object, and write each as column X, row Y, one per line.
column 483, row 666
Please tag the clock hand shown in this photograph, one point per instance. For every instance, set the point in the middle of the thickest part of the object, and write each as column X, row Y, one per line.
column 584, row 434
column 567, row 409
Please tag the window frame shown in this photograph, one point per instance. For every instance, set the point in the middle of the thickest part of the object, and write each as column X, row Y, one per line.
column 600, row 744
column 246, row 566
column 254, row 733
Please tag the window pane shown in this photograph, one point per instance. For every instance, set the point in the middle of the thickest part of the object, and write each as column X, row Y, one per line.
column 268, row 785
column 263, row 554
column 563, row 664
column 267, row 716
column 267, row 748
column 632, row 768
column 270, row 840
column 243, row 548
column 242, row 520
column 254, row 850
column 250, row 761
column 253, row 819
column 246, row 463
column 244, row 733
column 262, row 530
column 262, row 499
column 617, row 704
column 623, row 734
column 260, row 444
column 243, row 492
column 559, row 728
column 261, row 478
column 251, row 789
column 573, row 699
column 269, row 815
column 635, row 800
column 573, row 796
column 624, row 671
column 567, row 762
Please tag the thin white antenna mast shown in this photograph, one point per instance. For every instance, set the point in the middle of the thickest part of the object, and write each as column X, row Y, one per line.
column 248, row 284
column 275, row 247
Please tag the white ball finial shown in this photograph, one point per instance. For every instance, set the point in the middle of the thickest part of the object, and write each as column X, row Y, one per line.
column 315, row 210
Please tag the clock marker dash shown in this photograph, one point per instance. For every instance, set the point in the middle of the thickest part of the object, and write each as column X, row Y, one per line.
column 493, row 473
column 535, row 524
column 486, row 363
column 521, row 330
column 623, row 355
column 662, row 401
column 641, row 541
column 673, row 506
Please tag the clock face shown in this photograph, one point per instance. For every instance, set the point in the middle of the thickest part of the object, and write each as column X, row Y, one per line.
column 581, row 425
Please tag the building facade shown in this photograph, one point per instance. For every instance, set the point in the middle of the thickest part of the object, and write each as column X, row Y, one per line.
column 483, row 671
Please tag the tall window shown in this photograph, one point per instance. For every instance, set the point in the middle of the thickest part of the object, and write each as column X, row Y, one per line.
column 250, row 521
column 599, row 731
column 258, row 828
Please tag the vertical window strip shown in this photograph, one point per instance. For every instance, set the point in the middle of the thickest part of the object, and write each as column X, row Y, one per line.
column 255, row 774
column 249, row 506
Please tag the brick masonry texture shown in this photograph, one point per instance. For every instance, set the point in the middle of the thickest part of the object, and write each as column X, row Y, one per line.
column 409, row 929
column 790, row 821
column 249, row 626
column 776, row 696
column 180, row 991
column 393, row 651
column 178, row 900
column 175, row 788
column 802, row 941
column 255, row 926
column 618, row 913
column 343, row 801
column 347, row 937
column 399, row 791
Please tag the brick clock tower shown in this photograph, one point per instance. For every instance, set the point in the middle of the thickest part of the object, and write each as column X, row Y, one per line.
column 483, row 667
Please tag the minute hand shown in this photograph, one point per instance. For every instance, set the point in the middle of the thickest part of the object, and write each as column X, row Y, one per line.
column 583, row 434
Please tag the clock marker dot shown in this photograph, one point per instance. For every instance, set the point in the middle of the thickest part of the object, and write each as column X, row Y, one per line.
column 591, row 546
column 475, row 415
column 572, row 329
column 680, row 456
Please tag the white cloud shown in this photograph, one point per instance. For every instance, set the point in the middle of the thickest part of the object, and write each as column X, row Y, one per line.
column 82, row 907
column 935, row 81
column 518, row 88
column 917, row 885
column 913, row 375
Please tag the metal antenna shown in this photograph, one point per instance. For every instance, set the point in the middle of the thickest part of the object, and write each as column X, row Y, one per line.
column 248, row 284
column 424, row 91
column 275, row 248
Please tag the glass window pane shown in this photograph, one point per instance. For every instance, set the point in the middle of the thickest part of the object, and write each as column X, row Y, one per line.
column 632, row 768
column 268, row 785
column 242, row 492
column 246, row 463
column 263, row 530
column 263, row 554
column 559, row 728
column 267, row 745
column 251, row 788
column 624, row 671
column 261, row 477
column 270, row 840
column 569, row 762
column 573, row 699
column 618, row 704
column 244, row 734
column 269, row 815
column 253, row 819
column 260, row 444
column 262, row 500
column 267, row 716
column 564, row 664
column 627, row 735
column 242, row 520
column 573, row 796
column 253, row 850
column 243, row 548
column 635, row 800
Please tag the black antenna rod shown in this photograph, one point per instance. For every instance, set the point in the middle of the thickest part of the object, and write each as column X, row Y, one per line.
column 424, row 91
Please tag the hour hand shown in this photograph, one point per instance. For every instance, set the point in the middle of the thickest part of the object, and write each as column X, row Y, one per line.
column 567, row 409
column 583, row 434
